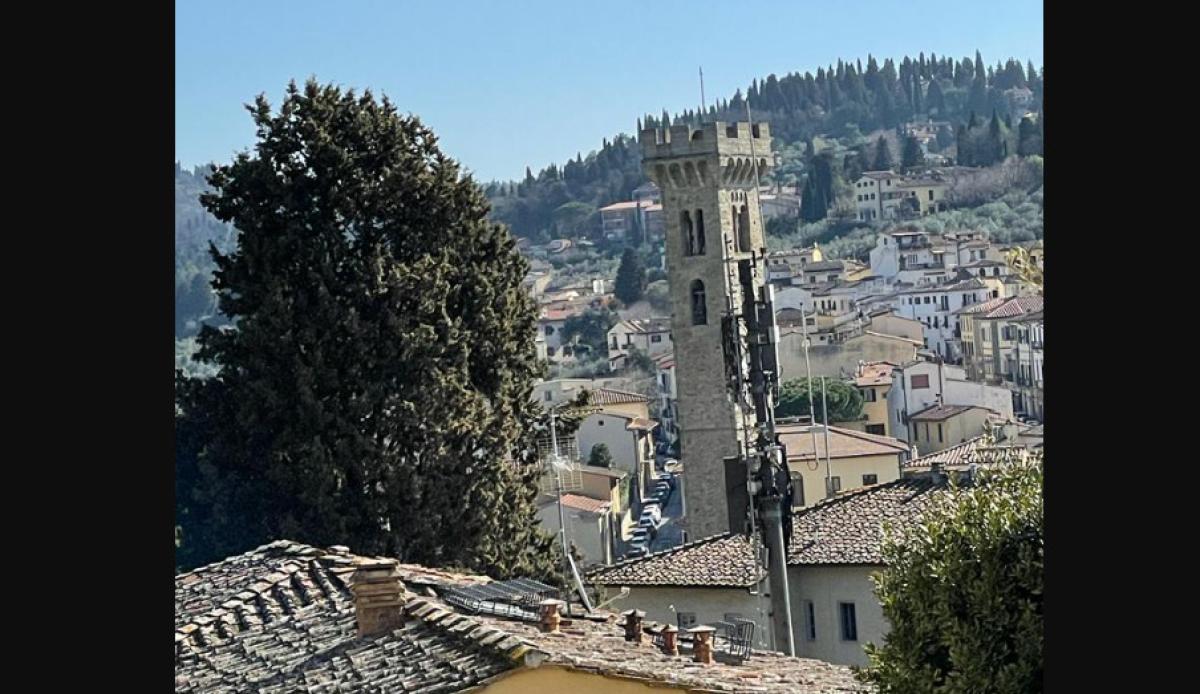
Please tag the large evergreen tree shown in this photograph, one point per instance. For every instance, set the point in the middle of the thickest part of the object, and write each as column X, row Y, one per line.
column 883, row 155
column 631, row 277
column 912, row 155
column 375, row 391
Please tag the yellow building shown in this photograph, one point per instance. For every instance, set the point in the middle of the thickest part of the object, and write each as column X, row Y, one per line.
column 856, row 459
column 874, row 381
column 941, row 426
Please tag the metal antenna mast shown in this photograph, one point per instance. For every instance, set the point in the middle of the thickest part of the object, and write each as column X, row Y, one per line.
column 703, row 104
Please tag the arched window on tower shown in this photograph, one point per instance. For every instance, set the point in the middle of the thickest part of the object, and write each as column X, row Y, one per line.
column 699, row 231
column 687, row 233
column 699, row 307
column 743, row 230
column 733, row 217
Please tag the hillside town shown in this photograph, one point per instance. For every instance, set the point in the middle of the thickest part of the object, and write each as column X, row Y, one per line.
column 765, row 414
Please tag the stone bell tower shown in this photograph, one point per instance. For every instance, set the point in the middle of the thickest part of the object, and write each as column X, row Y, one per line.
column 711, row 208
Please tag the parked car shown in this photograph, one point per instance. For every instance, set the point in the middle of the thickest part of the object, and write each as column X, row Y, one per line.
column 638, row 551
column 640, row 535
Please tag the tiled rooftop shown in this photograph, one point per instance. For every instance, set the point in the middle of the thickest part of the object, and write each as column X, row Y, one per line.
column 612, row 396
column 583, row 503
column 849, row 528
column 281, row 619
column 843, row 443
column 845, row 530
column 874, row 373
column 1016, row 306
column 975, row 451
column 717, row 561
column 938, row 413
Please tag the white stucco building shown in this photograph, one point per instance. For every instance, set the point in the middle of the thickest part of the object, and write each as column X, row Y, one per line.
column 918, row 385
column 934, row 308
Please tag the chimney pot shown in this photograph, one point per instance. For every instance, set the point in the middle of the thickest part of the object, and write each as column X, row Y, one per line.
column 670, row 639
column 702, row 638
column 633, row 625
column 378, row 596
column 548, row 617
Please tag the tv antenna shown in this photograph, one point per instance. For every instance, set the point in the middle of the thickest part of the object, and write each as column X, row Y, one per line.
column 567, row 477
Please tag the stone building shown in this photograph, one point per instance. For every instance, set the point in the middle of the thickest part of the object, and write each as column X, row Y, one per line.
column 707, row 176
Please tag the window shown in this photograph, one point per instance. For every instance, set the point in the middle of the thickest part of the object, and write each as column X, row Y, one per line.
column 699, row 307
column 939, row 433
column 870, row 479
column 797, row 490
column 877, row 429
column 926, row 300
column 919, row 381
column 687, row 233
column 547, row 396
column 868, row 395
column 927, row 432
column 600, row 422
column 656, row 338
column 613, row 344
column 699, row 232
column 849, row 623
column 686, row 620
column 810, row 621
column 743, row 230
column 872, row 196
column 931, row 195
column 835, row 484
column 549, row 330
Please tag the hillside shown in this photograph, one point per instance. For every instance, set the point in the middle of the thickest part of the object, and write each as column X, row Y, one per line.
column 195, row 229
column 837, row 105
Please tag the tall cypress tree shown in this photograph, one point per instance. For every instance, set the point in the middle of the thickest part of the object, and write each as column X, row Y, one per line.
column 883, row 155
column 912, row 155
column 375, row 391
column 631, row 277
column 935, row 101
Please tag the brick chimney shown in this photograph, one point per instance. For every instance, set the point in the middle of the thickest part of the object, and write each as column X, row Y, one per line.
column 633, row 625
column 702, row 640
column 670, row 639
column 378, row 596
column 548, row 617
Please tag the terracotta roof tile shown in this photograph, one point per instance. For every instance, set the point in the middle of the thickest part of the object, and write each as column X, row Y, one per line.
column 717, row 561
column 611, row 396
column 583, row 503
column 843, row 443
column 304, row 638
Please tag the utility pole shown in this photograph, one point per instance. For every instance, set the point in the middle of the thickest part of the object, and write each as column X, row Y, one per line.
column 828, row 460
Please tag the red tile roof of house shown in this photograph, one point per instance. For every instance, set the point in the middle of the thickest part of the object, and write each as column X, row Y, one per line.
column 843, row 443
column 1015, row 306
column 583, row 503
column 611, row 396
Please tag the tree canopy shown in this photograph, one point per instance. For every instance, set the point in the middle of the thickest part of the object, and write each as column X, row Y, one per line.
column 375, row 391
column 962, row 591
column 631, row 277
column 845, row 402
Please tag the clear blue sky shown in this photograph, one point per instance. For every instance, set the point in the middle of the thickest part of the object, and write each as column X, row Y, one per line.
column 510, row 83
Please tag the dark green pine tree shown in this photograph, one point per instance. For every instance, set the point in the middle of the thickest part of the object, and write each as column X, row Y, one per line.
column 631, row 277
column 883, row 156
column 376, row 389
column 812, row 202
column 918, row 103
column 935, row 101
column 912, row 156
column 962, row 141
column 996, row 139
column 977, row 100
